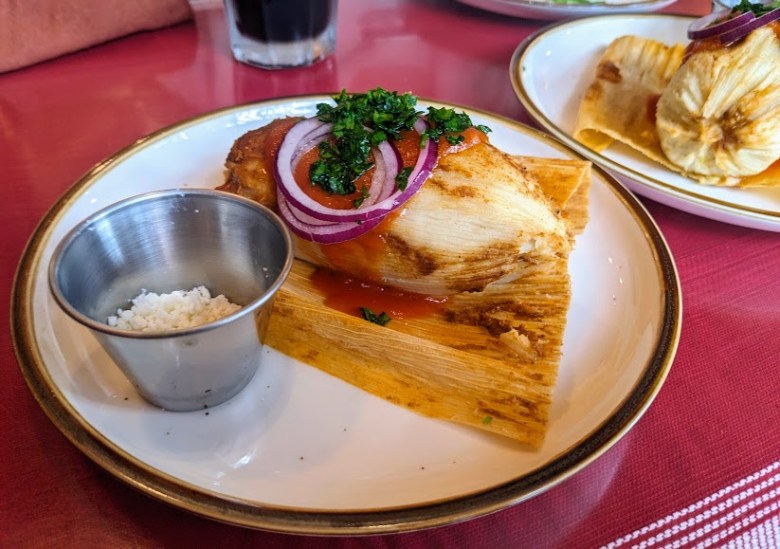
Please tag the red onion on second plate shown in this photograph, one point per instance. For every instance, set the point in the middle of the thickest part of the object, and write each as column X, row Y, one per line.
column 717, row 23
column 732, row 35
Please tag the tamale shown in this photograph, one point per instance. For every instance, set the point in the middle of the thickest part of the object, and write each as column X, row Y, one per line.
column 489, row 219
column 488, row 360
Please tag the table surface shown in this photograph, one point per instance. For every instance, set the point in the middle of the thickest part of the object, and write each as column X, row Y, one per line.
column 702, row 465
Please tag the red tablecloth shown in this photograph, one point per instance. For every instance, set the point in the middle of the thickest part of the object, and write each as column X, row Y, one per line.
column 702, row 465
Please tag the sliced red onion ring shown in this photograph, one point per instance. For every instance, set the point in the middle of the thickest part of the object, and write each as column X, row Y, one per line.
column 735, row 34
column 323, row 232
column 387, row 190
column 306, row 148
column 382, row 182
column 299, row 215
column 704, row 27
column 379, row 181
column 294, row 145
column 317, row 135
column 307, row 205
column 421, row 171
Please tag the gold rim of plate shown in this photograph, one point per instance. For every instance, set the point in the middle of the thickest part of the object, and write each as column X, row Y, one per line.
column 199, row 501
column 515, row 69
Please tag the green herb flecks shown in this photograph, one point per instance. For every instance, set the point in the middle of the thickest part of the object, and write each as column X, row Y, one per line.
column 486, row 420
column 758, row 9
column 449, row 123
column 362, row 121
column 402, row 179
column 381, row 318
column 363, row 195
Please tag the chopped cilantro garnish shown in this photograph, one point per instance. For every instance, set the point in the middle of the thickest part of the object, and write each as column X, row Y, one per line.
column 364, row 120
column 487, row 419
column 402, row 179
column 448, row 122
column 381, row 319
column 360, row 121
column 758, row 9
column 363, row 195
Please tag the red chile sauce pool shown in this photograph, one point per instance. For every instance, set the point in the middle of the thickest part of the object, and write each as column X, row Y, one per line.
column 348, row 294
column 282, row 20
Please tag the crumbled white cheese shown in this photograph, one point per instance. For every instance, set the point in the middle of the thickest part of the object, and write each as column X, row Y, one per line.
column 173, row 311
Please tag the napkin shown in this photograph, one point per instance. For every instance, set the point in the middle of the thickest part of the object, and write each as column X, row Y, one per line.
column 36, row 30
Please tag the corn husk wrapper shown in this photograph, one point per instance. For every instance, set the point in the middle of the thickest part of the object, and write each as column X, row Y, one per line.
column 489, row 360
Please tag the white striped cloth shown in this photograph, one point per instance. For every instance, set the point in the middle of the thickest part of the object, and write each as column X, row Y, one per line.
column 744, row 514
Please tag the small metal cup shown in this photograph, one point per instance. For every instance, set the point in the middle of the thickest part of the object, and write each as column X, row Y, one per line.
column 177, row 240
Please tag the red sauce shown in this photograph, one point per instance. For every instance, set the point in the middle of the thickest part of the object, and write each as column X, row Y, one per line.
column 772, row 173
column 707, row 44
column 471, row 136
column 336, row 201
column 408, row 146
column 371, row 245
column 348, row 294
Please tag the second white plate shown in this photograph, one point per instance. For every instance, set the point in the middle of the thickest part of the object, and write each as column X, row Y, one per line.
column 551, row 10
column 550, row 73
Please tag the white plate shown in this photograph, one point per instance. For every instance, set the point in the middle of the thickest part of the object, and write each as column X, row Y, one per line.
column 549, row 10
column 550, row 77
column 299, row 451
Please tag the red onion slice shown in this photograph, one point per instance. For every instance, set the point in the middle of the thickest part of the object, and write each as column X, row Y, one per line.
column 299, row 215
column 386, row 168
column 292, row 148
column 380, row 187
column 296, row 197
column 323, row 232
column 306, row 148
column 704, row 27
column 390, row 189
column 421, row 171
column 735, row 34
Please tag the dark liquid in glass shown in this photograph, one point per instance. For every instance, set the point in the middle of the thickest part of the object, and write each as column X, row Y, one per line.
column 282, row 20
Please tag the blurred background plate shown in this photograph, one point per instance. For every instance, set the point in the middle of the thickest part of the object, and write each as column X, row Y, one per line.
column 550, row 75
column 550, row 10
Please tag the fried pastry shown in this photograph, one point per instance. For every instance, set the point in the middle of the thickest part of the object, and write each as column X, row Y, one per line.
column 720, row 114
column 709, row 111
